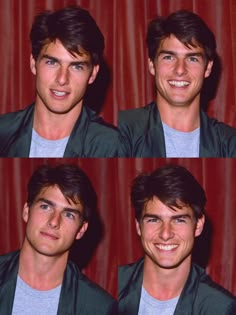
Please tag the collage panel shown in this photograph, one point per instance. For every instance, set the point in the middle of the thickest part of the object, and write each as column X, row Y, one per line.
column 48, row 205
column 178, row 218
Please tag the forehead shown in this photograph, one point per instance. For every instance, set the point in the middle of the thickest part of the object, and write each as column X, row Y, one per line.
column 156, row 207
column 57, row 50
column 54, row 194
column 171, row 43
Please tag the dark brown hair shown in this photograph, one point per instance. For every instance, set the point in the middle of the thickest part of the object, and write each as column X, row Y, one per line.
column 73, row 26
column 173, row 185
column 72, row 182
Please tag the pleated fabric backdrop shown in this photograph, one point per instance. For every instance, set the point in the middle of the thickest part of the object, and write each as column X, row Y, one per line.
column 123, row 23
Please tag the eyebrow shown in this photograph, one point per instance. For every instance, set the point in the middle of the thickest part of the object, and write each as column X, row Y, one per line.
column 73, row 63
column 53, row 204
column 170, row 52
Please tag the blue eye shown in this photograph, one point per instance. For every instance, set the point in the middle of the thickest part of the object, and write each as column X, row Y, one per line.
column 193, row 59
column 168, row 57
column 180, row 220
column 45, row 206
column 51, row 62
column 78, row 67
column 69, row 215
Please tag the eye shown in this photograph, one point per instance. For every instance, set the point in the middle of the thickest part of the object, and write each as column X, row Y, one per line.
column 69, row 215
column 78, row 67
column 152, row 220
column 168, row 57
column 180, row 220
column 193, row 59
column 45, row 206
column 51, row 62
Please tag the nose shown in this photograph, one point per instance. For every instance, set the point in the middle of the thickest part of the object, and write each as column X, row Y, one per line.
column 166, row 231
column 62, row 76
column 54, row 221
column 180, row 67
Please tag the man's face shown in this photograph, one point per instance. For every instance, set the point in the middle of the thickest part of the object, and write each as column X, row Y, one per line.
column 53, row 223
column 61, row 79
column 179, row 72
column 167, row 236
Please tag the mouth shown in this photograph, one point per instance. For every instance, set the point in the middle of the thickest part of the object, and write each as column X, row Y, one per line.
column 179, row 84
column 167, row 247
column 49, row 235
column 59, row 93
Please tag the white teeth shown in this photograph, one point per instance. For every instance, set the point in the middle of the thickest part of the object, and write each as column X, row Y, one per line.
column 57, row 93
column 179, row 83
column 166, row 247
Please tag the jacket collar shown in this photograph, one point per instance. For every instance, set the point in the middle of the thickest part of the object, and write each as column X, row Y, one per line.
column 154, row 139
column 130, row 293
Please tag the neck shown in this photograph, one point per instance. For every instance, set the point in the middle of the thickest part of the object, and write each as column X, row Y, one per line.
column 54, row 126
column 39, row 271
column 181, row 118
column 165, row 284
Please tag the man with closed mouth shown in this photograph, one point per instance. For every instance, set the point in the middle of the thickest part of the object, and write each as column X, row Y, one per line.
column 40, row 278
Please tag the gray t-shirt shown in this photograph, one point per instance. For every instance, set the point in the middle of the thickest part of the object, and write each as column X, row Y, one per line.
column 41, row 147
column 150, row 306
column 181, row 144
column 28, row 301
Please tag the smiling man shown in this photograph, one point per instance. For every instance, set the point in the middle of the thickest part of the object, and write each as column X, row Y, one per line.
column 181, row 50
column 67, row 49
column 169, row 210
column 39, row 279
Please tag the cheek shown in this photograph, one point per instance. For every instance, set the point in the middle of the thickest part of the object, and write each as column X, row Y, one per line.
column 149, row 234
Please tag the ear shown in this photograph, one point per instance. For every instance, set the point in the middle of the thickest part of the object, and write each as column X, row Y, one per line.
column 208, row 69
column 199, row 226
column 82, row 230
column 32, row 64
column 138, row 230
column 151, row 67
column 94, row 74
column 25, row 212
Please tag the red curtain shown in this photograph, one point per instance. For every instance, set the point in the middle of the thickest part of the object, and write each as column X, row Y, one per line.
column 123, row 23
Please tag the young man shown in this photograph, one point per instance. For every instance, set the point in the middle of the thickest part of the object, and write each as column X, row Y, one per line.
column 169, row 209
column 67, row 49
column 181, row 50
column 39, row 279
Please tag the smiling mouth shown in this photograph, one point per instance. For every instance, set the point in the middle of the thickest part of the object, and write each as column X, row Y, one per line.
column 59, row 93
column 168, row 247
column 179, row 83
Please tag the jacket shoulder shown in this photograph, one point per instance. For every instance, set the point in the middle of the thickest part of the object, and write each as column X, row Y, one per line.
column 213, row 298
column 129, row 273
column 93, row 297
column 7, row 258
column 11, row 122
column 223, row 129
column 135, row 116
